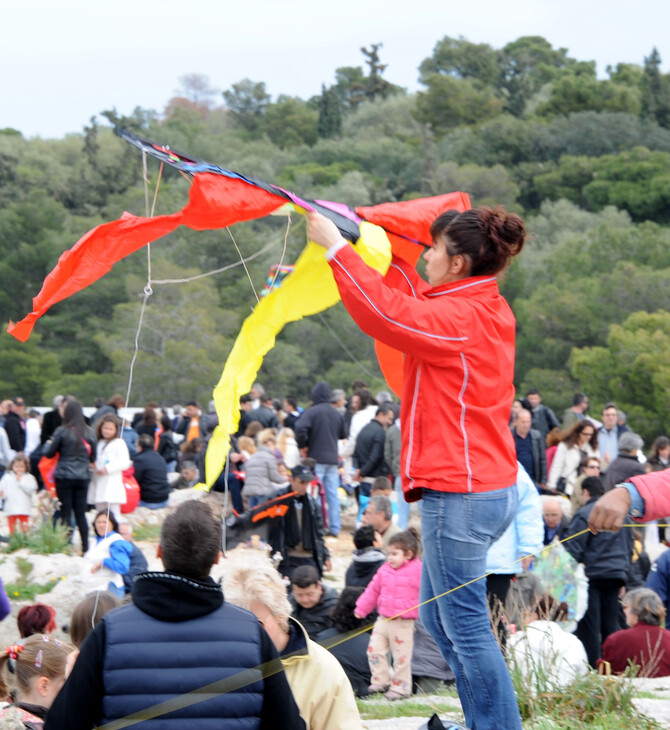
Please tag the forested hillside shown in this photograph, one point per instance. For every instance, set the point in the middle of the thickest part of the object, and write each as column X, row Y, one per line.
column 585, row 160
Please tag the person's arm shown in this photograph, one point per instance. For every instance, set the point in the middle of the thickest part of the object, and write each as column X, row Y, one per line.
column 657, row 580
column 5, row 605
column 78, row 706
column 53, row 444
column 119, row 557
column 632, row 497
column 577, row 546
column 428, row 329
column 302, row 429
column 557, row 465
column 367, row 601
column 552, row 420
column 541, row 476
column 28, row 484
column 279, row 707
column 375, row 455
column 273, row 472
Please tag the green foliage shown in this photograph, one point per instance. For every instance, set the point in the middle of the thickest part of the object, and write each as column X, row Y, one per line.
column 247, row 102
column 146, row 533
column 450, row 102
column 43, row 539
column 637, row 181
column 634, row 363
column 656, row 91
column 576, row 92
column 459, row 58
column 330, row 113
column 290, row 122
column 26, row 369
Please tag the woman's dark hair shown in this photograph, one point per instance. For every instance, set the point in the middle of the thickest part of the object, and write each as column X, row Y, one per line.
column 549, row 609
column 365, row 397
column 88, row 614
column 342, row 616
column 408, row 541
column 571, row 437
column 73, row 418
column 39, row 618
column 166, row 423
column 149, row 416
column 486, row 237
column 107, row 418
column 660, row 442
column 110, row 517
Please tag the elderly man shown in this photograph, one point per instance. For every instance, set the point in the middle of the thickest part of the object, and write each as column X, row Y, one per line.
column 553, row 518
column 626, row 464
column 379, row 514
column 530, row 448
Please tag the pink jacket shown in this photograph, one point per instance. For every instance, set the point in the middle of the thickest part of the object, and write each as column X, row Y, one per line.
column 393, row 591
column 654, row 488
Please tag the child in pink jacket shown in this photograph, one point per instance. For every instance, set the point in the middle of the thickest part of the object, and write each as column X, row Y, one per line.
column 394, row 591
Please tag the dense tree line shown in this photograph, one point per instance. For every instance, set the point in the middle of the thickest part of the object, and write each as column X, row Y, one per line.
column 585, row 160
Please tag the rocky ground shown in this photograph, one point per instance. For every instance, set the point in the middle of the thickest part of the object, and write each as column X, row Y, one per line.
column 65, row 570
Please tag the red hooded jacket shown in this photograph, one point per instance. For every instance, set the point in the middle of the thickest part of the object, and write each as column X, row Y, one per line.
column 458, row 341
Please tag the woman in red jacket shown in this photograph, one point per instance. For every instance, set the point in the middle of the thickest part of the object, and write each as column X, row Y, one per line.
column 457, row 335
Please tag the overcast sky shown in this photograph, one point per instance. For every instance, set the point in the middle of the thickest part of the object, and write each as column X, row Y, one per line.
column 63, row 62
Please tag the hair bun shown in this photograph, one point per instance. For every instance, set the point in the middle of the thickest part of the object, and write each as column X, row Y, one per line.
column 505, row 230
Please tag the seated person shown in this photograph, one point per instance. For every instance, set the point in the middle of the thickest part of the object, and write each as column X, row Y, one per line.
column 311, row 601
column 381, row 486
column 138, row 562
column 352, row 653
column 430, row 671
column 368, row 557
column 547, row 655
column 188, row 476
column 319, row 684
column 645, row 643
column 151, row 474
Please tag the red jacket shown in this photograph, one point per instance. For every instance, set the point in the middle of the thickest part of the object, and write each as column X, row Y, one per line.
column 644, row 645
column 458, row 341
column 654, row 488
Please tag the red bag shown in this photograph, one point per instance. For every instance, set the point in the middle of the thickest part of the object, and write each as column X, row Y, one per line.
column 47, row 467
column 132, row 491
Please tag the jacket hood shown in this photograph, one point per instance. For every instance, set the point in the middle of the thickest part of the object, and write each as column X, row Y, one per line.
column 320, row 393
column 187, row 598
column 369, row 555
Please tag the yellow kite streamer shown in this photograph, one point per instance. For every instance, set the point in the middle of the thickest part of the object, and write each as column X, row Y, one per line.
column 309, row 289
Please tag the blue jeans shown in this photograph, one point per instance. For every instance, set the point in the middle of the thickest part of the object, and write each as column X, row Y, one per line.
column 403, row 507
column 153, row 505
column 330, row 478
column 457, row 531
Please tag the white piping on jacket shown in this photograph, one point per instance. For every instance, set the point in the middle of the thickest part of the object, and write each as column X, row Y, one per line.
column 410, row 444
column 459, row 288
column 407, row 279
column 388, row 319
column 463, row 431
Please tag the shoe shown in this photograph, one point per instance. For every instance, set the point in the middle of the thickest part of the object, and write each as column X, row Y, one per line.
column 376, row 689
column 4, row 539
column 393, row 695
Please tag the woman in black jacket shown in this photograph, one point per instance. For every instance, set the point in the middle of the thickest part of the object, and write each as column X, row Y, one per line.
column 74, row 441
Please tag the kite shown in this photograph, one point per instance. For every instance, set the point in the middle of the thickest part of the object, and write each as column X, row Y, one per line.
column 219, row 198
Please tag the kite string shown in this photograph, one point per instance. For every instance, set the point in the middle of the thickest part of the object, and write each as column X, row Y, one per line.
column 237, row 248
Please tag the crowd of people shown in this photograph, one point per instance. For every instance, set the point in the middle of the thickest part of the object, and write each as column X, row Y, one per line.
column 496, row 490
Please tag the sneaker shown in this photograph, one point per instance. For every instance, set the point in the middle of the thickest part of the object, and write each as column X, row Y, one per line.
column 376, row 689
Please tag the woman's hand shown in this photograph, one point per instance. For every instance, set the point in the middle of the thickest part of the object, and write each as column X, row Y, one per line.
column 322, row 230
column 96, row 567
